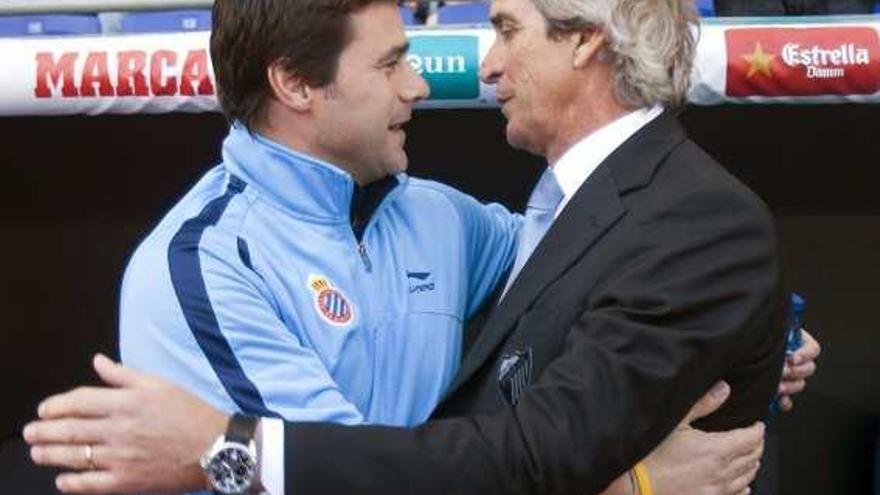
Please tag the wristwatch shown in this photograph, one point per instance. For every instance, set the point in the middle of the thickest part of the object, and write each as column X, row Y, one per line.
column 231, row 463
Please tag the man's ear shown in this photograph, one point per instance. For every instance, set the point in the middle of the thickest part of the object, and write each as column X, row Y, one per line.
column 589, row 43
column 289, row 89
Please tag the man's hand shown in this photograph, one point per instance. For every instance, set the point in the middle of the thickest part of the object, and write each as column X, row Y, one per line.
column 799, row 366
column 694, row 462
column 702, row 463
column 144, row 434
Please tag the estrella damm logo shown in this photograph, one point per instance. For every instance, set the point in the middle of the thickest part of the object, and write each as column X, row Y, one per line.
column 450, row 64
column 774, row 61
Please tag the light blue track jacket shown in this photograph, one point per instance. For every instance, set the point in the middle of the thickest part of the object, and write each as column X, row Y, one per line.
column 254, row 293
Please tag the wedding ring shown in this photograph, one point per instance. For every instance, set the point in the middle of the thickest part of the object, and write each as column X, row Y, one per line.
column 90, row 457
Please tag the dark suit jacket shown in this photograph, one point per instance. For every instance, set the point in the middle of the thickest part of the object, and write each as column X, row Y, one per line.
column 659, row 278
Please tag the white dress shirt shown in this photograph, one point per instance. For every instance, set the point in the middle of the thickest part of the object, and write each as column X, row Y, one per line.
column 577, row 164
column 272, row 456
column 571, row 170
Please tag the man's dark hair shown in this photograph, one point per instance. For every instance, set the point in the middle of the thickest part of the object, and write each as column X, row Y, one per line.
column 305, row 36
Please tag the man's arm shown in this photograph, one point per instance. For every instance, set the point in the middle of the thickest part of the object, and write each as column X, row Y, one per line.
column 162, row 445
column 213, row 326
column 690, row 461
column 146, row 435
column 490, row 235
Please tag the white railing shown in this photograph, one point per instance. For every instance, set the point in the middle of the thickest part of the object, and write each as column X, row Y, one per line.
column 9, row 7
column 767, row 60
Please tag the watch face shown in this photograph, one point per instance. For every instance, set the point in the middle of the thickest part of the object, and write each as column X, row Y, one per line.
column 231, row 470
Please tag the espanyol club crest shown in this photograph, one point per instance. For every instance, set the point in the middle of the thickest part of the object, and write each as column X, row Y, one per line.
column 330, row 302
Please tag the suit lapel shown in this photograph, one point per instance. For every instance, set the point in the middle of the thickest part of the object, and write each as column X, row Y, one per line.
column 594, row 208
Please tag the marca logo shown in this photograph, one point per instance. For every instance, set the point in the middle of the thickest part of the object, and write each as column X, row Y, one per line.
column 450, row 64
column 137, row 73
column 802, row 61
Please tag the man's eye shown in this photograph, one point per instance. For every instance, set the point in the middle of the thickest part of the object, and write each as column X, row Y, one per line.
column 392, row 65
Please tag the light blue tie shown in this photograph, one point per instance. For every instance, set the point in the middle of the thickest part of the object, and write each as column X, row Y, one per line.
column 540, row 212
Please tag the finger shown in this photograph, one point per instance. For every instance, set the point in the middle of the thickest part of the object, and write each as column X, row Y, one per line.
column 792, row 387
column 65, row 456
column 741, row 483
column 740, row 441
column 786, row 373
column 88, row 482
column 80, row 402
column 61, row 431
column 812, row 347
column 708, row 403
column 742, row 464
column 799, row 372
column 808, row 351
column 786, row 404
column 117, row 375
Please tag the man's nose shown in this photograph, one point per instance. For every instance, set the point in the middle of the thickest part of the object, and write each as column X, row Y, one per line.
column 490, row 68
column 416, row 88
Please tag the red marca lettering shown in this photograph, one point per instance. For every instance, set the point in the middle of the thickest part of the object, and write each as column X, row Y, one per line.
column 161, row 85
column 132, row 81
column 166, row 78
column 49, row 72
column 195, row 69
column 95, row 71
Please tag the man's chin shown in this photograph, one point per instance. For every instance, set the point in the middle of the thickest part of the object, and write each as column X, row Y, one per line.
column 399, row 164
column 516, row 138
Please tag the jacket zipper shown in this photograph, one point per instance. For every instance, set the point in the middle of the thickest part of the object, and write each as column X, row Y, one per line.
column 361, row 243
column 365, row 257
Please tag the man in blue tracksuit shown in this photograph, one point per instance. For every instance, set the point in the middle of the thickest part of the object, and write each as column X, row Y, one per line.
column 259, row 293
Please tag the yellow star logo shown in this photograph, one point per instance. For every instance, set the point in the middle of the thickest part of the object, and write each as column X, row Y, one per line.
column 759, row 61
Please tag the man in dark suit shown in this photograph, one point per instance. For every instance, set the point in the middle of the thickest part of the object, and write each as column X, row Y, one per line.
column 645, row 274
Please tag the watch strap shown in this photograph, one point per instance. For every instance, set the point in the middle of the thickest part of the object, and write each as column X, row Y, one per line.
column 241, row 428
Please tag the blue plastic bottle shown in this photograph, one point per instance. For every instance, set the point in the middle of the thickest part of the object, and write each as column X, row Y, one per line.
column 794, row 338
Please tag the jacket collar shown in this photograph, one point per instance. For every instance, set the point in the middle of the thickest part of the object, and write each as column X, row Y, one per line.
column 579, row 162
column 633, row 164
column 303, row 185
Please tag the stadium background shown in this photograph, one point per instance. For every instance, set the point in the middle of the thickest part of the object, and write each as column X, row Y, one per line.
column 78, row 192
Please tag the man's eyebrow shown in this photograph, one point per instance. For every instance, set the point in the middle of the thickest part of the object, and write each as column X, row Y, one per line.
column 395, row 52
column 500, row 17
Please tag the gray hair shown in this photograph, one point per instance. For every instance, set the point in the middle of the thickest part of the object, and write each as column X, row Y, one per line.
column 650, row 43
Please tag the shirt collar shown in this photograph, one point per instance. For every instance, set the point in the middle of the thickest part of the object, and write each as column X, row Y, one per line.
column 577, row 164
column 302, row 184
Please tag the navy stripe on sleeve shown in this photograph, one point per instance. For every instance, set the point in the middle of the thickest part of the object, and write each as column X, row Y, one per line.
column 244, row 253
column 189, row 285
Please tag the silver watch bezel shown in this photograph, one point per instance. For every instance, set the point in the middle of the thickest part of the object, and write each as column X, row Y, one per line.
column 221, row 445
